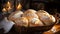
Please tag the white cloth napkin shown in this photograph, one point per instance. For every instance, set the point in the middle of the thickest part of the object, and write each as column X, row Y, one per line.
column 6, row 25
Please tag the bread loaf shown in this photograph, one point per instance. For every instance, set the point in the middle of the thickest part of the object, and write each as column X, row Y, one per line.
column 45, row 17
column 35, row 22
column 15, row 15
column 30, row 14
column 23, row 21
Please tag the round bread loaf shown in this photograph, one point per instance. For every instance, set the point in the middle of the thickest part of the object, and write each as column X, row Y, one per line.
column 30, row 14
column 15, row 15
column 35, row 22
column 23, row 21
column 45, row 17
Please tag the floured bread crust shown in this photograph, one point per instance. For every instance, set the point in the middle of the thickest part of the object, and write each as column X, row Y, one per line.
column 15, row 15
column 46, row 17
column 23, row 21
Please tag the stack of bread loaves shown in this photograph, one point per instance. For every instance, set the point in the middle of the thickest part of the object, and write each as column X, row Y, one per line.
column 32, row 18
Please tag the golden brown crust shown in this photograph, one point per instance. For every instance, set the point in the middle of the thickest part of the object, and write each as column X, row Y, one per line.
column 32, row 18
column 46, row 17
column 30, row 14
column 14, row 15
column 23, row 21
column 35, row 22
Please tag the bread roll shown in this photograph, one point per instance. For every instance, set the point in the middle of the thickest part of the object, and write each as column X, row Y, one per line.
column 23, row 21
column 18, row 14
column 35, row 22
column 45, row 17
column 15, row 15
column 30, row 14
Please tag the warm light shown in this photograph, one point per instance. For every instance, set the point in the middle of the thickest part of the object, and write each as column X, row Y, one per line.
column 8, row 4
column 19, row 6
column 4, row 10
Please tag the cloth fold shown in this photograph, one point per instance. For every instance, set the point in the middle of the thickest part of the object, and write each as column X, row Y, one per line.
column 6, row 25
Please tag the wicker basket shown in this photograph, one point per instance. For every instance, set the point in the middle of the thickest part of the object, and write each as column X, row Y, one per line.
column 22, row 29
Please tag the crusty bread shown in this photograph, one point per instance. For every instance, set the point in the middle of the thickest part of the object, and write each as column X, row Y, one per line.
column 23, row 21
column 35, row 22
column 14, row 15
column 32, row 18
column 45, row 17
column 30, row 14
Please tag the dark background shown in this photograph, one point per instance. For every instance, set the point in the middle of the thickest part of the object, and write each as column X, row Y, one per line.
column 49, row 4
